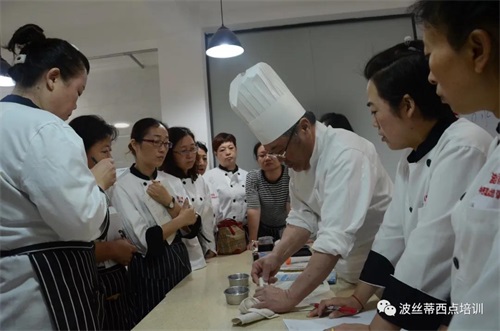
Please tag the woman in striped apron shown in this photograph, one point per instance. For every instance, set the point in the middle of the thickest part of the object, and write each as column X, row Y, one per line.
column 153, row 221
column 114, row 252
column 52, row 205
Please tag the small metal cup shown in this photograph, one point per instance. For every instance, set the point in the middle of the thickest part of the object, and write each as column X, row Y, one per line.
column 239, row 279
column 236, row 294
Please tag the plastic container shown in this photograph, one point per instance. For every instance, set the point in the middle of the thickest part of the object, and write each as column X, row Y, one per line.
column 266, row 244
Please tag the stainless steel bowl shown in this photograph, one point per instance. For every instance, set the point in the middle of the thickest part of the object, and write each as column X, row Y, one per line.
column 239, row 279
column 236, row 294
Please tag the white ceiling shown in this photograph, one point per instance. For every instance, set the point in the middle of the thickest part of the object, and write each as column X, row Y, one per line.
column 102, row 27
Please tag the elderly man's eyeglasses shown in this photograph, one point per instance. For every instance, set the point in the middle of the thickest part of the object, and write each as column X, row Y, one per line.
column 282, row 156
column 186, row 152
column 158, row 143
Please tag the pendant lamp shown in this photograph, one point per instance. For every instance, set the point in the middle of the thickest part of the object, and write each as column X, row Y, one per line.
column 5, row 80
column 224, row 43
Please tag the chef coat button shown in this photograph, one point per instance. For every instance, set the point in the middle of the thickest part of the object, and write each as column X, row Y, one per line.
column 462, row 196
column 231, row 185
column 234, row 200
column 234, row 217
column 192, row 199
column 201, row 199
column 184, row 182
column 238, row 173
column 245, row 200
column 428, row 162
column 455, row 262
column 225, row 174
column 242, row 185
column 411, row 210
column 145, row 184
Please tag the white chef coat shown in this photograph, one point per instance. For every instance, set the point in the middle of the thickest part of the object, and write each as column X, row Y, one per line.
column 344, row 194
column 199, row 197
column 48, row 194
column 115, row 225
column 475, row 221
column 127, row 197
column 483, row 295
column 416, row 236
column 227, row 192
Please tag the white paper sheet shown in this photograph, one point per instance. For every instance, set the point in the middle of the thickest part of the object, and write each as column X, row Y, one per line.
column 319, row 324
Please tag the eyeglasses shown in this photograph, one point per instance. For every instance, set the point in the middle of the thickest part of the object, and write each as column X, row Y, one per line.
column 186, row 152
column 282, row 156
column 158, row 143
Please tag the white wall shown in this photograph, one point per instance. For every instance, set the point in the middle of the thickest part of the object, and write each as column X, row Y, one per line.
column 121, row 95
column 5, row 91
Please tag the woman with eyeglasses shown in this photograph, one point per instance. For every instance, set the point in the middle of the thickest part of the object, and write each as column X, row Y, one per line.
column 226, row 183
column 202, row 158
column 153, row 221
column 181, row 169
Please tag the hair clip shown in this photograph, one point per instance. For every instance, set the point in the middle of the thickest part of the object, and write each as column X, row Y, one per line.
column 408, row 40
column 21, row 58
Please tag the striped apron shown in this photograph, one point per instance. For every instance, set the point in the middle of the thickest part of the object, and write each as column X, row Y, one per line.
column 117, row 301
column 152, row 277
column 67, row 273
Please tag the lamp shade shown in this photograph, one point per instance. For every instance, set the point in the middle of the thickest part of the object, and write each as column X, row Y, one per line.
column 224, row 44
column 5, row 80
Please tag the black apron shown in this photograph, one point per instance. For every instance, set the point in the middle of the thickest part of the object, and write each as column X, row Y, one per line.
column 273, row 231
column 67, row 273
column 116, row 299
column 152, row 277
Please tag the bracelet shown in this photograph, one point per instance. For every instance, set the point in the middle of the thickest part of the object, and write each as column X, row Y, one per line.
column 359, row 301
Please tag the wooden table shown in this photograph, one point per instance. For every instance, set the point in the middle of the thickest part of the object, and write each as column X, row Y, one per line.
column 198, row 302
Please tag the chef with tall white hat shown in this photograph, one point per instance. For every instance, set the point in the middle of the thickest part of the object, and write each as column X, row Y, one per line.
column 339, row 189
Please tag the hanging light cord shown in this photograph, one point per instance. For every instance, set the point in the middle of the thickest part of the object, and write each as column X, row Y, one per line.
column 221, row 13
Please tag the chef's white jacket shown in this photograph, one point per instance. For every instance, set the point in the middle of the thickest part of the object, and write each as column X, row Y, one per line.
column 482, row 297
column 476, row 221
column 199, row 198
column 411, row 255
column 128, row 196
column 48, row 194
column 115, row 225
column 343, row 195
column 227, row 192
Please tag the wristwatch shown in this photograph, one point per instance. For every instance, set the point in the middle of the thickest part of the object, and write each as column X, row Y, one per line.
column 171, row 204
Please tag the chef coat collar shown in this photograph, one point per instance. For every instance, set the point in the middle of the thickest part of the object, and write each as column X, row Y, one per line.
column 432, row 139
column 20, row 100
column 137, row 173
column 318, row 144
column 227, row 170
column 277, row 180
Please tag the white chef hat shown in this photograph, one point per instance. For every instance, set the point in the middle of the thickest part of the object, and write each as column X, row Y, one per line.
column 263, row 101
